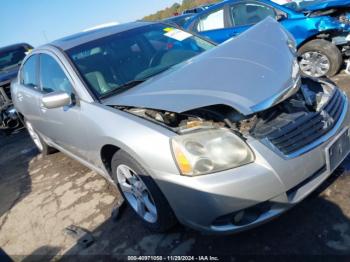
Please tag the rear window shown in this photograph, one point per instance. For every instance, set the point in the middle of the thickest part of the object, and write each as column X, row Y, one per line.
column 12, row 58
column 211, row 21
column 29, row 70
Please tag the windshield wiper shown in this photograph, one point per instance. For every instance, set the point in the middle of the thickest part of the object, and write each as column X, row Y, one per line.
column 132, row 83
column 157, row 72
column 123, row 87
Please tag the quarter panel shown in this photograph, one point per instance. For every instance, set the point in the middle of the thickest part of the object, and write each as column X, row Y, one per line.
column 28, row 104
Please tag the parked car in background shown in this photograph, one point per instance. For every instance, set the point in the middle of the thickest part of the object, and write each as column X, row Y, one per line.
column 320, row 28
column 221, row 138
column 10, row 60
column 179, row 20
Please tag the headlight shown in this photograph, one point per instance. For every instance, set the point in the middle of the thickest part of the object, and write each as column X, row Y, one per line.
column 210, row 151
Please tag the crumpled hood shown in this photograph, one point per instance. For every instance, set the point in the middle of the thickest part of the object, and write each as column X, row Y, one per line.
column 249, row 73
column 320, row 5
column 8, row 75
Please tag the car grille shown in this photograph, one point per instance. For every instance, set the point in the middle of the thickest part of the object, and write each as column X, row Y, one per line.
column 308, row 127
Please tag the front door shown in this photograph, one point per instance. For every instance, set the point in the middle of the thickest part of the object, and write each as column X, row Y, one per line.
column 60, row 125
column 243, row 15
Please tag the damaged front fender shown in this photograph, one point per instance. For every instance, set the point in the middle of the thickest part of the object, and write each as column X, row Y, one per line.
column 311, row 27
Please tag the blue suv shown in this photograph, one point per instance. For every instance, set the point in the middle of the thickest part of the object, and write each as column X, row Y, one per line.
column 321, row 28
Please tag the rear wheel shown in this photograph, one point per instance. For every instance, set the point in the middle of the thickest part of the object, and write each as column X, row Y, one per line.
column 141, row 193
column 40, row 144
column 318, row 58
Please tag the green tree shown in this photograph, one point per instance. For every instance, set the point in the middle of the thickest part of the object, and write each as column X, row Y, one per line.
column 177, row 9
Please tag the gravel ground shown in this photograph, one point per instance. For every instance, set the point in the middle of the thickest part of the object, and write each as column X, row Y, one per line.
column 41, row 196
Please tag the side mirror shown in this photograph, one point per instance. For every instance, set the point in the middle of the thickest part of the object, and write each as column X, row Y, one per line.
column 56, row 99
column 280, row 16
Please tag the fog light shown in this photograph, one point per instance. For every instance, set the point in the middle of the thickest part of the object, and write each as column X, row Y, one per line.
column 245, row 216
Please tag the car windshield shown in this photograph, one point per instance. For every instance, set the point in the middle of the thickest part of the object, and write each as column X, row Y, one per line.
column 110, row 64
column 179, row 20
column 301, row 5
column 12, row 58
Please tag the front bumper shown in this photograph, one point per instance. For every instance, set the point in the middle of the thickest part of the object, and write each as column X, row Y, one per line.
column 263, row 190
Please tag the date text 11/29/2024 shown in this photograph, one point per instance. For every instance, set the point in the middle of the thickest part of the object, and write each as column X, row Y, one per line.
column 173, row 258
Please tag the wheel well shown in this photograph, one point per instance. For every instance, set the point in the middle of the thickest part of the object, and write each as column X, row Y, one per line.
column 107, row 153
column 325, row 35
column 21, row 117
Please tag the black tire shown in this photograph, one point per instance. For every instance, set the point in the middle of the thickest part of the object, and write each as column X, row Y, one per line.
column 326, row 48
column 46, row 149
column 165, row 216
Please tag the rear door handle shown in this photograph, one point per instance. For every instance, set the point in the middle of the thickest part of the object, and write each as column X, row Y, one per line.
column 19, row 97
column 42, row 108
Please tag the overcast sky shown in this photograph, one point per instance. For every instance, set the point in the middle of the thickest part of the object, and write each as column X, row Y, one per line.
column 39, row 21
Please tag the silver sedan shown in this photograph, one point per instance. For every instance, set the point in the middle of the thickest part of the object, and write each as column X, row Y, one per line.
column 220, row 138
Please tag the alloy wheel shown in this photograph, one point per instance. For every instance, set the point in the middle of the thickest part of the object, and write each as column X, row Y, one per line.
column 314, row 64
column 137, row 193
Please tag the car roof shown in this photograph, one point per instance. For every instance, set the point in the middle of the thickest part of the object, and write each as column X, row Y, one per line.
column 91, row 35
column 177, row 17
column 225, row 2
column 14, row 46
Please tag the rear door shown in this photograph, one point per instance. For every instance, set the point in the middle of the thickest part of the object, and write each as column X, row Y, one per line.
column 214, row 25
column 28, row 95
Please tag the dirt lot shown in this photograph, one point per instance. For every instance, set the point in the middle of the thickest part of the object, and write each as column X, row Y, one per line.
column 40, row 196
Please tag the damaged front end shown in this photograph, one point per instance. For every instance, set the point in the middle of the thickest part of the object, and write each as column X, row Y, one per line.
column 334, row 26
column 302, row 122
column 340, row 13
column 290, row 128
column 254, row 95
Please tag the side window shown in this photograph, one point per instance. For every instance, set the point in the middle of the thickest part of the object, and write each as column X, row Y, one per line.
column 52, row 77
column 28, row 73
column 250, row 13
column 211, row 21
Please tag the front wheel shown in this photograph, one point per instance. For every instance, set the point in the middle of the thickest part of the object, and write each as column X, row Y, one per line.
column 319, row 58
column 141, row 193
